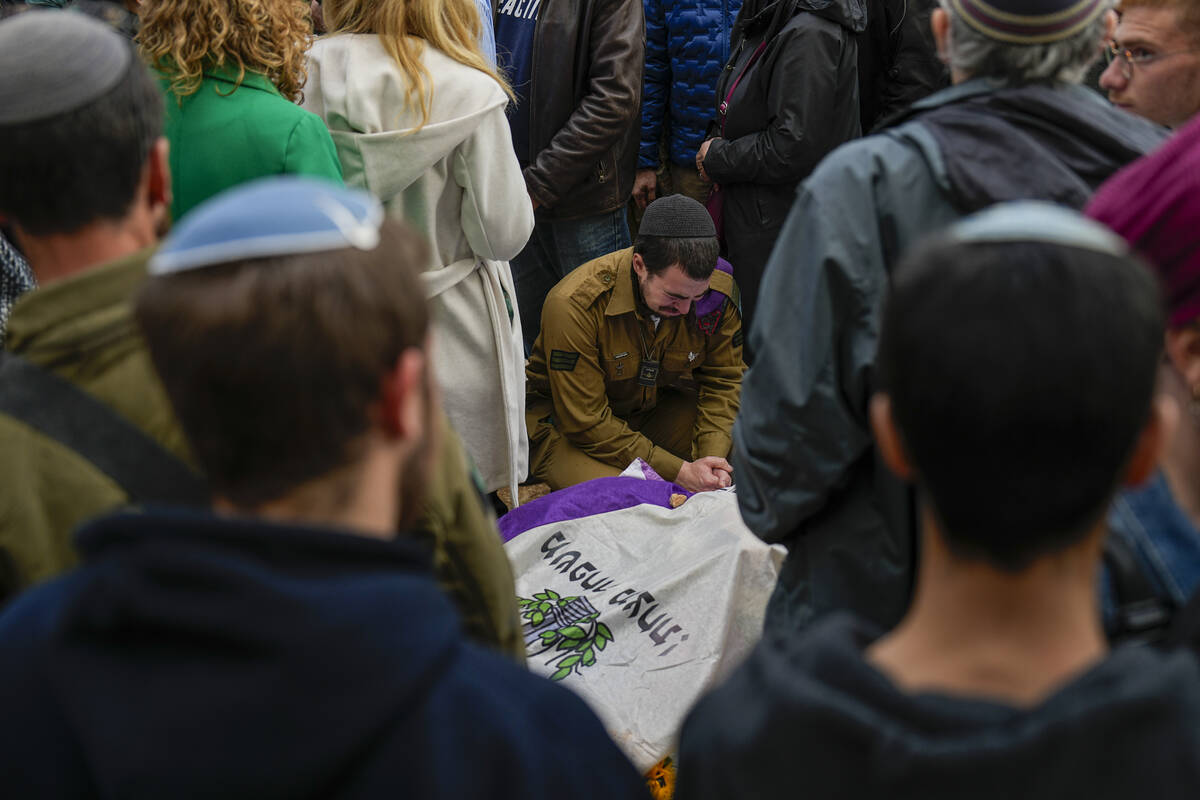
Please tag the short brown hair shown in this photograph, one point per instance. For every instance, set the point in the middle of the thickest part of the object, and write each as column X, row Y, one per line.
column 1188, row 11
column 273, row 365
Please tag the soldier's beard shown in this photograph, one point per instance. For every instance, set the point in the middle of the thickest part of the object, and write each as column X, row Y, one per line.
column 640, row 285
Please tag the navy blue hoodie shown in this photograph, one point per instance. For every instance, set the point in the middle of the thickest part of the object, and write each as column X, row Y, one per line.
column 197, row 657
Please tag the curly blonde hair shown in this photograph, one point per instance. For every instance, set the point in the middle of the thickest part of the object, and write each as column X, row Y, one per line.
column 182, row 38
column 451, row 26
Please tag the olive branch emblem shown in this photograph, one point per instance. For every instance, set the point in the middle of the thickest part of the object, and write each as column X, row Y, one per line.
column 565, row 626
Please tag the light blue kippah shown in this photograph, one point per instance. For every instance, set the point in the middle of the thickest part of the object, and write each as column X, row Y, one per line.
column 276, row 216
column 1037, row 221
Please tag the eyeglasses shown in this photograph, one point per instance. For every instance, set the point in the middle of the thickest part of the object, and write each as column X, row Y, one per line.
column 1130, row 57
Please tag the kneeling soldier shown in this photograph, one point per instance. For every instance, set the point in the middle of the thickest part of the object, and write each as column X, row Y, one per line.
column 640, row 356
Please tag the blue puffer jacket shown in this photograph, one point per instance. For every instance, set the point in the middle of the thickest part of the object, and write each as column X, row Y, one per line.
column 687, row 45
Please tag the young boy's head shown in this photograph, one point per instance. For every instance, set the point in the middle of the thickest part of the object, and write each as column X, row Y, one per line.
column 1016, row 371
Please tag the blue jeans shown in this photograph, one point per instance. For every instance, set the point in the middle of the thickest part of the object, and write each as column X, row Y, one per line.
column 1164, row 540
column 556, row 247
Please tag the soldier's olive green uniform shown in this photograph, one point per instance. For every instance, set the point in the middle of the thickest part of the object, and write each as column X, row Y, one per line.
column 592, row 408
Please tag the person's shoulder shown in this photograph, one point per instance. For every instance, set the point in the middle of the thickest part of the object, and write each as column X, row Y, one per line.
column 723, row 282
column 462, row 93
column 804, row 23
column 786, row 676
column 518, row 718
column 32, row 618
column 256, row 101
column 590, row 281
column 862, row 159
column 341, row 46
column 463, row 77
column 792, row 698
column 1144, row 677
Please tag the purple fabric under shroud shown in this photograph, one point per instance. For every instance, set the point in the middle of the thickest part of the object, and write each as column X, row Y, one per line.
column 583, row 500
column 713, row 299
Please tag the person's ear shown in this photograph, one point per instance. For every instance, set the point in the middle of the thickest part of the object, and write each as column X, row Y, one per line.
column 402, row 397
column 1110, row 26
column 639, row 266
column 1152, row 441
column 939, row 23
column 887, row 437
column 158, row 186
column 1183, row 350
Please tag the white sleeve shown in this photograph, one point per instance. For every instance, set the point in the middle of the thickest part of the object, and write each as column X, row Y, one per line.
column 497, row 215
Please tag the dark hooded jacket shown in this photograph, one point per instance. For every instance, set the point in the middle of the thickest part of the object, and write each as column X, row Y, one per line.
column 796, row 102
column 808, row 475
column 192, row 657
column 898, row 62
column 808, row 716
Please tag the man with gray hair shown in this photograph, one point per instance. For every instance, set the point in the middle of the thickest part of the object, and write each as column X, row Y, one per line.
column 1014, row 125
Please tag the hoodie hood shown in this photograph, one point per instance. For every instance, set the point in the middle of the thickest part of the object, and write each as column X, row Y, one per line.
column 195, row 648
column 361, row 93
column 850, row 14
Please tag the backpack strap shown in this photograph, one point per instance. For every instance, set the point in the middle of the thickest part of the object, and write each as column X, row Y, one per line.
column 1142, row 615
column 60, row 410
column 1185, row 628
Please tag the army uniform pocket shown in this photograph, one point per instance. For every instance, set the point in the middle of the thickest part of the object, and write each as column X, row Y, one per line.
column 678, row 363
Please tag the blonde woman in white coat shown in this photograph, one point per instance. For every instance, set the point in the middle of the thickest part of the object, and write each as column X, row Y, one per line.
column 417, row 115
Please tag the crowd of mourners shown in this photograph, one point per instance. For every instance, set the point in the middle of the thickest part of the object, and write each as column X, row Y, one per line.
column 296, row 298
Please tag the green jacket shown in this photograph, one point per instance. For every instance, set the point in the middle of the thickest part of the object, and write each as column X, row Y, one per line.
column 223, row 135
column 82, row 329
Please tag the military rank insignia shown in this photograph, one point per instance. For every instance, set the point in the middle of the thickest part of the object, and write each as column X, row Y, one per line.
column 563, row 360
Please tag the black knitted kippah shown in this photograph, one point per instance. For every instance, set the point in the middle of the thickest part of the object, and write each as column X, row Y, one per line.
column 677, row 216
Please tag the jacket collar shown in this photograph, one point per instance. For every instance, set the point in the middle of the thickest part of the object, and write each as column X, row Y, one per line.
column 71, row 302
column 183, row 529
column 974, row 87
column 951, row 94
column 959, row 91
column 228, row 73
column 623, row 298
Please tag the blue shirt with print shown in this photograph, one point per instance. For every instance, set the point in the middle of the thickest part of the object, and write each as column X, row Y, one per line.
column 515, row 24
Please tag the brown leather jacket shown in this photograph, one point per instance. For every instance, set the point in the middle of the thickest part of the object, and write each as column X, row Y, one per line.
column 585, row 103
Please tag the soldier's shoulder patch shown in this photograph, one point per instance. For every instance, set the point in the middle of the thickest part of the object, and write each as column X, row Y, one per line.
column 563, row 360
column 708, row 323
column 738, row 338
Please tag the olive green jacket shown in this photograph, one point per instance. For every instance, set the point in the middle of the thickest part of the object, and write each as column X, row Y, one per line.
column 82, row 329
column 225, row 134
